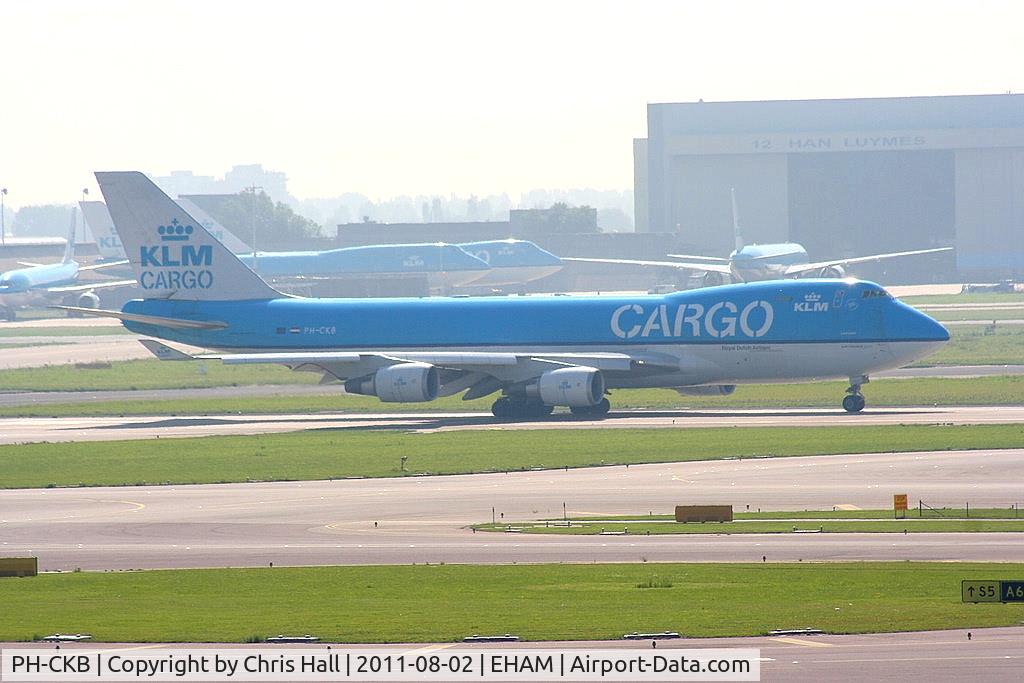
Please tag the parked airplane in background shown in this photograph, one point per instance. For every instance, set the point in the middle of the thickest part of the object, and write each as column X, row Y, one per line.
column 443, row 265
column 513, row 262
column 40, row 283
column 754, row 262
column 539, row 352
column 494, row 263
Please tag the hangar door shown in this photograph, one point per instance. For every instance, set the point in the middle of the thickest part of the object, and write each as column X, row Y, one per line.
column 858, row 203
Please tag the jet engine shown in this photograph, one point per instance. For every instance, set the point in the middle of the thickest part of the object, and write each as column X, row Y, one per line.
column 831, row 271
column 573, row 387
column 714, row 279
column 713, row 390
column 399, row 383
column 88, row 300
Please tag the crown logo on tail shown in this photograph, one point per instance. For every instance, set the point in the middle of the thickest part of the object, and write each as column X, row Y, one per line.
column 175, row 232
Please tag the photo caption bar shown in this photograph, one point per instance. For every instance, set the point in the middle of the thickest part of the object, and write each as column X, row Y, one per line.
column 339, row 664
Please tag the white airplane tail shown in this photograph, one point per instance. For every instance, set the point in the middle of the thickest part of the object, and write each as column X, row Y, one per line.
column 736, row 221
column 226, row 237
column 173, row 255
column 98, row 219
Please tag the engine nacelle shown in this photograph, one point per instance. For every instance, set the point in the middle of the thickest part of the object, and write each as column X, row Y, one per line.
column 831, row 271
column 713, row 390
column 573, row 387
column 714, row 279
column 400, row 383
column 88, row 300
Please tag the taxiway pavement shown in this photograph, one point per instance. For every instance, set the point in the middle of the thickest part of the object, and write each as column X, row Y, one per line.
column 64, row 429
column 424, row 519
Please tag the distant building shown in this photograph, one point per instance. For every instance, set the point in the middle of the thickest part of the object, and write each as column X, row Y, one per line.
column 274, row 183
column 843, row 177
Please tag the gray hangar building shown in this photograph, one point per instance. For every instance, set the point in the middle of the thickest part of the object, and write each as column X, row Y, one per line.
column 844, row 178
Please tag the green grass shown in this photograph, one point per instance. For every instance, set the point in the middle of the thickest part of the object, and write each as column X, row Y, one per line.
column 147, row 374
column 928, row 513
column 893, row 526
column 985, row 314
column 924, row 391
column 973, row 345
column 335, row 454
column 783, row 521
column 535, row 602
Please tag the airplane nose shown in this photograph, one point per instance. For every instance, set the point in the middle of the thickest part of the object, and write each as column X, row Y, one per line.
column 917, row 326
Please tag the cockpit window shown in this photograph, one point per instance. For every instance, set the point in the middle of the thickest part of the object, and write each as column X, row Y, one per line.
column 874, row 293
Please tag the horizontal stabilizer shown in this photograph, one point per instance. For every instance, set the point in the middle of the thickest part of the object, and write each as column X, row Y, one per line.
column 163, row 351
column 92, row 285
column 105, row 264
column 175, row 323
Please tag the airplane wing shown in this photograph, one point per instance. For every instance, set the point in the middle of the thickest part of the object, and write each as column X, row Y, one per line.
column 693, row 257
column 680, row 265
column 91, row 286
column 806, row 267
column 108, row 264
column 29, row 264
column 476, row 373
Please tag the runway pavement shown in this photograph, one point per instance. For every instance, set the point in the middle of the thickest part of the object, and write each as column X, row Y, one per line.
column 15, row 430
column 424, row 519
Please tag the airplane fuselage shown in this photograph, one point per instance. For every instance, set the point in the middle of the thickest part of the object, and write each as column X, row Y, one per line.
column 756, row 262
column 760, row 332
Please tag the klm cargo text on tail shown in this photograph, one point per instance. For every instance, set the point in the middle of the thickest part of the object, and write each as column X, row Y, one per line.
column 181, row 265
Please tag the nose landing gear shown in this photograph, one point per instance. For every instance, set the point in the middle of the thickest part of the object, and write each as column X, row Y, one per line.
column 854, row 401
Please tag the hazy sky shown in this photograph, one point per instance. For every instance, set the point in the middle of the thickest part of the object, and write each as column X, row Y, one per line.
column 393, row 98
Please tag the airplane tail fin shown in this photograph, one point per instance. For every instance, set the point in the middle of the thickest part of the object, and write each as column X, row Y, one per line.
column 69, row 248
column 736, row 221
column 98, row 219
column 226, row 237
column 173, row 255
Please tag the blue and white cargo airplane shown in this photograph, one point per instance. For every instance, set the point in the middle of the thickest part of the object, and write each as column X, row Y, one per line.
column 754, row 262
column 538, row 352
column 38, row 283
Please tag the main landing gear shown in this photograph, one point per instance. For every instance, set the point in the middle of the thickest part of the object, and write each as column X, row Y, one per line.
column 524, row 408
column 519, row 408
column 599, row 409
column 854, row 401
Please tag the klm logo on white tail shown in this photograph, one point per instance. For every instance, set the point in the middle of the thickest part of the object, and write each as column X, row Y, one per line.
column 720, row 320
column 182, row 265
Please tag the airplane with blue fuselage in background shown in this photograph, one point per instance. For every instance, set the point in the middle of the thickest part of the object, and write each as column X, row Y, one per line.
column 40, row 283
column 536, row 352
column 482, row 264
column 755, row 262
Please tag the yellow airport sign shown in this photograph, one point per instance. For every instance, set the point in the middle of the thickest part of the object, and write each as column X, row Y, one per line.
column 980, row 591
column 899, row 502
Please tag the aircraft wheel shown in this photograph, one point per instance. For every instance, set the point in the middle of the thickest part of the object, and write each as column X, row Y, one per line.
column 502, row 408
column 602, row 407
column 582, row 411
column 854, row 403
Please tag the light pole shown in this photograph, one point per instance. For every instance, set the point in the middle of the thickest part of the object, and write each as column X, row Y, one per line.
column 85, row 193
column 252, row 188
column 3, row 227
